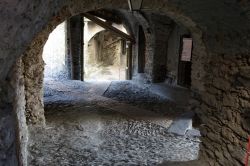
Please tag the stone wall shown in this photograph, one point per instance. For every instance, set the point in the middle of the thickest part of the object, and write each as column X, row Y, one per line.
column 218, row 27
column 18, row 83
column 8, row 123
column 224, row 110
column 33, row 76
column 162, row 27
column 13, row 127
column 157, row 28
column 33, row 66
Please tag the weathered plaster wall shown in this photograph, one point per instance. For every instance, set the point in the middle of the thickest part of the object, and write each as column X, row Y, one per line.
column 218, row 28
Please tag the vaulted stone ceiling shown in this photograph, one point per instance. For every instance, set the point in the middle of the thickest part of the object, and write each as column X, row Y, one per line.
column 224, row 23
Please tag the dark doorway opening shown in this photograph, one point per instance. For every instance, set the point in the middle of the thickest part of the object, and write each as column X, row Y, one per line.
column 185, row 61
column 141, row 50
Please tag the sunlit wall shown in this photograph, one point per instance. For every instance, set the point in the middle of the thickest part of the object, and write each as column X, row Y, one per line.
column 54, row 54
column 92, row 72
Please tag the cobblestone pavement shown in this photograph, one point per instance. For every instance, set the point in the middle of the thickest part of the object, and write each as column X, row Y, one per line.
column 85, row 133
column 143, row 97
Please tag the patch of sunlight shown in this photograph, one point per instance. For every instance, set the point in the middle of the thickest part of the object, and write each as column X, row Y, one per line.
column 54, row 54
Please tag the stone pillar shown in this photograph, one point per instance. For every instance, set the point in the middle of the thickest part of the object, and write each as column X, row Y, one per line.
column 162, row 27
column 76, row 47
column 33, row 65
column 17, row 82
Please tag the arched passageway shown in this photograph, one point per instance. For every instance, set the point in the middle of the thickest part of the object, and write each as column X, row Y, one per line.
column 105, row 59
column 156, row 62
column 220, row 68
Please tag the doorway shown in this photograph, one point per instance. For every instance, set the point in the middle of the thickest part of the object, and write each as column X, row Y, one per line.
column 185, row 61
column 141, row 50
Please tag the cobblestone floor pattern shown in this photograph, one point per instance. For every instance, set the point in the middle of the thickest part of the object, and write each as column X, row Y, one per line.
column 88, row 134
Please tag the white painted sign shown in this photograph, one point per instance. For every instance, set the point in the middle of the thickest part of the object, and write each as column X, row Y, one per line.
column 186, row 54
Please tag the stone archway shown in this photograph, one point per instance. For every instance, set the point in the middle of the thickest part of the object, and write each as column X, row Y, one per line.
column 104, row 57
column 33, row 52
column 32, row 59
column 37, row 27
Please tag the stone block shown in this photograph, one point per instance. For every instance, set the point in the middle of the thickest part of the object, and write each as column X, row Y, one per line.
column 182, row 124
column 244, row 103
column 193, row 133
column 222, row 84
column 215, row 137
column 229, row 100
column 236, row 152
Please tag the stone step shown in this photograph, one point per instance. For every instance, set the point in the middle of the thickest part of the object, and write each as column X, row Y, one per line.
column 182, row 124
column 193, row 133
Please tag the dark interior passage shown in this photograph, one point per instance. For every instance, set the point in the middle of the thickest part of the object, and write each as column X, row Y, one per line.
column 185, row 62
column 141, row 51
column 124, row 82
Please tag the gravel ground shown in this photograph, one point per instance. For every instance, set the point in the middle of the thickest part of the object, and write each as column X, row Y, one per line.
column 96, row 136
column 130, row 93
column 88, row 134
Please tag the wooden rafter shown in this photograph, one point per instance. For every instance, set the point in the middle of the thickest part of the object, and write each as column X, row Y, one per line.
column 109, row 27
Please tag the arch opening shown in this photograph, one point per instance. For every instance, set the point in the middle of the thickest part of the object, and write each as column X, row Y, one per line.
column 105, row 56
column 146, row 102
column 157, row 67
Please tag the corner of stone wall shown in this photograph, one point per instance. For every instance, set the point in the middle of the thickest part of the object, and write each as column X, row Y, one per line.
column 19, row 110
column 33, row 82
column 13, row 128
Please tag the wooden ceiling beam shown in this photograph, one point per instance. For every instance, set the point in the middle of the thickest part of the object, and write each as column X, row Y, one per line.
column 105, row 25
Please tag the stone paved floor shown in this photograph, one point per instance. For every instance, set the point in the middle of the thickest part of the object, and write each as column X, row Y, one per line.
column 80, row 131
